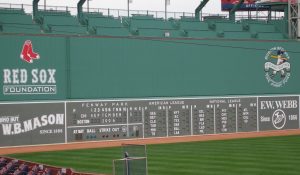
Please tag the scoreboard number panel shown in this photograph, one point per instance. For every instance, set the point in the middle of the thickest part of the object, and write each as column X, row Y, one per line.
column 131, row 119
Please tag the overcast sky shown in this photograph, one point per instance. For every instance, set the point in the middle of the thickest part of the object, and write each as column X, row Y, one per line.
column 213, row 6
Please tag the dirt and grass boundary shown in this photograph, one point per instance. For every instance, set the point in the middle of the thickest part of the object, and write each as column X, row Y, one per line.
column 148, row 141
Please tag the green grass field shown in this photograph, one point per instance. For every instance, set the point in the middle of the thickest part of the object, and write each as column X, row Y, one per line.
column 256, row 156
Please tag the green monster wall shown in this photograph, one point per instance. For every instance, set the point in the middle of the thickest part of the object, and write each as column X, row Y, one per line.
column 138, row 67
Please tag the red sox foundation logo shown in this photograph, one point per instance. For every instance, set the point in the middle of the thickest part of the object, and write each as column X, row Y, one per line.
column 28, row 81
column 27, row 53
column 277, row 67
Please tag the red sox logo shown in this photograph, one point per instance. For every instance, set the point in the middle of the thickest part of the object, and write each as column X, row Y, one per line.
column 27, row 53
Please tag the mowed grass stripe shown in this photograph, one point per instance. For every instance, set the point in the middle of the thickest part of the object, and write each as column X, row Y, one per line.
column 254, row 156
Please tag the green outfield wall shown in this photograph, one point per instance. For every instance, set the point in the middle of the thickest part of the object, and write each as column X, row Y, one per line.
column 138, row 67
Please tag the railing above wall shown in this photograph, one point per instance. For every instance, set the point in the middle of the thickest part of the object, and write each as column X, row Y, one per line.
column 117, row 13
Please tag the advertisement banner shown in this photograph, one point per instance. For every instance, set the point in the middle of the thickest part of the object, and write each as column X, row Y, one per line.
column 278, row 113
column 266, row 1
column 32, row 124
column 248, row 5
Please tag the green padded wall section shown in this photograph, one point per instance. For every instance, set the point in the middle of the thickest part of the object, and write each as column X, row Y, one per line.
column 103, row 67
column 148, row 68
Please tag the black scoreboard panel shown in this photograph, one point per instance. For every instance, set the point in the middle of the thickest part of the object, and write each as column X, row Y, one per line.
column 179, row 119
column 203, row 117
column 104, row 120
column 110, row 120
column 225, row 116
column 247, row 115
column 235, row 114
column 155, row 123
column 96, row 113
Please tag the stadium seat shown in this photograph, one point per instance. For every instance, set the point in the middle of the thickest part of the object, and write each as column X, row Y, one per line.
column 104, row 21
column 20, row 167
column 193, row 25
column 2, row 162
column 148, row 32
column 54, row 13
column 140, row 22
column 67, row 29
column 237, row 35
column 106, row 26
column 12, row 10
column 110, row 31
column 20, row 28
column 262, row 27
column 47, row 171
column 15, row 18
column 31, row 173
column 3, row 171
column 61, row 23
column 146, row 25
column 16, row 21
column 61, row 20
column 229, row 27
column 201, row 34
column 271, row 36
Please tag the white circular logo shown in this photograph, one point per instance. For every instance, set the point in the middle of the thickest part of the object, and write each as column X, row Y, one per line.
column 279, row 119
column 277, row 67
column 124, row 128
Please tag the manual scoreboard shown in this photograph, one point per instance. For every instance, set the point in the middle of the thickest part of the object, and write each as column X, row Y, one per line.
column 99, row 120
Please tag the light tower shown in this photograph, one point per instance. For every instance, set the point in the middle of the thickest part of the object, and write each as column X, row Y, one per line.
column 294, row 18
